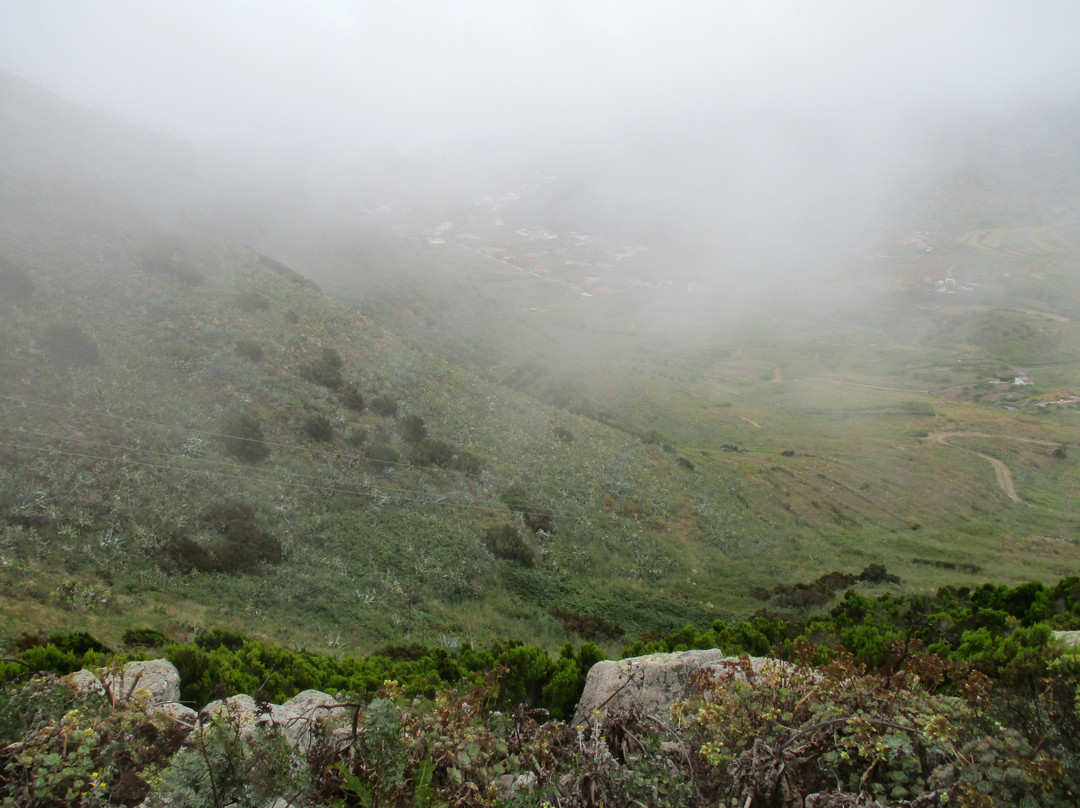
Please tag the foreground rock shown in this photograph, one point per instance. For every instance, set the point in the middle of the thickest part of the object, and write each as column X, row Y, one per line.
column 155, row 680
column 651, row 683
column 303, row 719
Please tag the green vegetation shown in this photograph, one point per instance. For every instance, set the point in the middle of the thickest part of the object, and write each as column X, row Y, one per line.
column 984, row 715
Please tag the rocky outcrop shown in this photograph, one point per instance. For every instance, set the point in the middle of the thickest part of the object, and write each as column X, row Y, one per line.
column 155, row 680
column 304, row 718
column 158, row 677
column 651, row 684
column 1068, row 638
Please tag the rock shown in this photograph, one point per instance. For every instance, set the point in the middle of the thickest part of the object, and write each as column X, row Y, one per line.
column 1068, row 638
column 509, row 784
column 302, row 719
column 314, row 705
column 181, row 713
column 651, row 683
column 158, row 677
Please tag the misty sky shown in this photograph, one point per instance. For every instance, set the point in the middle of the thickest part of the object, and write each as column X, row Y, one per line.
column 744, row 137
column 281, row 78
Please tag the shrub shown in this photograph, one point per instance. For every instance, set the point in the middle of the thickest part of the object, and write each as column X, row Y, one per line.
column 325, row 369
column 503, row 541
column 467, row 463
column 318, row 427
column 245, row 544
column 413, row 429
column 536, row 517
column 251, row 302
column 242, row 435
column 564, row 434
column 145, row 638
column 431, row 452
column 655, row 437
column 351, row 397
column 184, row 554
column 382, row 455
column 69, row 345
column 249, row 349
column 384, row 406
column 586, row 625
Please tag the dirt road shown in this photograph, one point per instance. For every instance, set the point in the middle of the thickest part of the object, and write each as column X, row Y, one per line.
column 1004, row 477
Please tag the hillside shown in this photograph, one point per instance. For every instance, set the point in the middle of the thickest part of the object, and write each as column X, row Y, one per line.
column 344, row 434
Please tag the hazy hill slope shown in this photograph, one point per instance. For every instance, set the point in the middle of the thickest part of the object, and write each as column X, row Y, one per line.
column 193, row 434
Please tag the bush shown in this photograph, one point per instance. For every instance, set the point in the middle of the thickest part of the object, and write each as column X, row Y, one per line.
column 384, row 406
column 69, row 345
column 245, row 544
column 382, row 455
column 413, row 429
column 564, row 434
column 145, row 638
column 318, row 427
column 503, row 541
column 536, row 517
column 431, row 452
column 252, row 302
column 467, row 463
column 242, row 435
column 324, row 370
column 183, row 554
column 351, row 397
column 249, row 349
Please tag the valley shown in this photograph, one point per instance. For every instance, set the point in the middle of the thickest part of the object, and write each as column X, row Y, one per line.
column 460, row 432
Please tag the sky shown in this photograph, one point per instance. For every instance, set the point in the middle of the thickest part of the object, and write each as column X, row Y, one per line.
column 732, row 122
column 277, row 78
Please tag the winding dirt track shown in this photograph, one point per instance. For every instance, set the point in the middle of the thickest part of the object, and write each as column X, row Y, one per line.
column 1004, row 477
column 1001, row 471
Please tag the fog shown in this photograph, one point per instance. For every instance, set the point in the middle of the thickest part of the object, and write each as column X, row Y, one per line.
column 693, row 124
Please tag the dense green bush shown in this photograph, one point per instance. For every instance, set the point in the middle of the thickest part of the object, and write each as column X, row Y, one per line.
column 431, row 452
column 318, row 427
column 503, row 541
column 384, row 406
column 351, row 397
column 413, row 429
column 537, row 517
column 144, row 638
column 324, row 369
column 249, row 349
column 381, row 455
column 251, row 302
column 242, row 435
column 244, row 544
